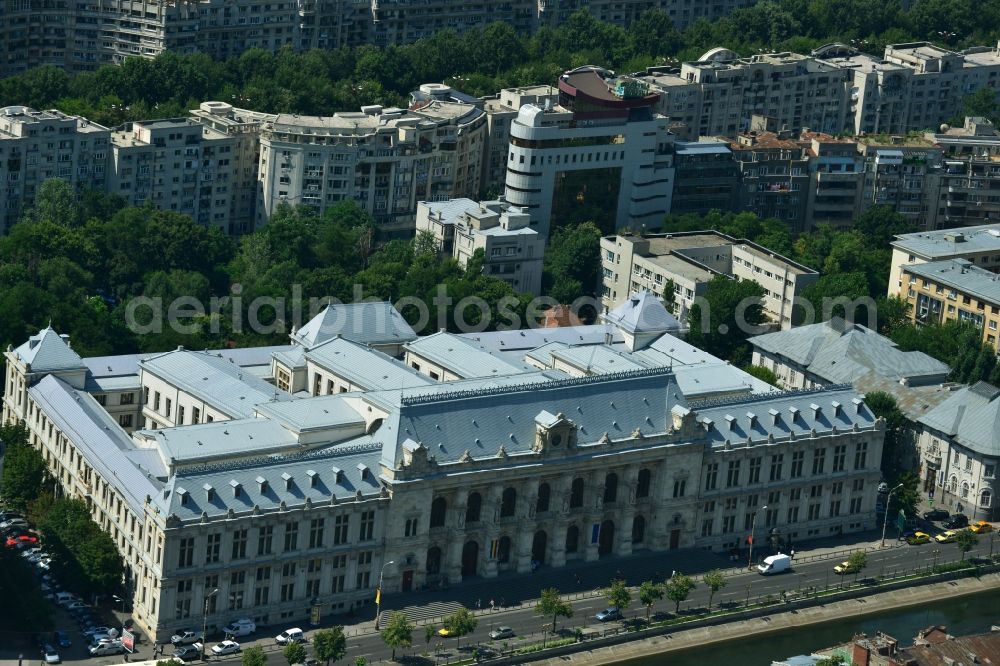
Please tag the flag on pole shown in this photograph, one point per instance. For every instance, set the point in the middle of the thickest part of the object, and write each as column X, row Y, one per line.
column 750, row 540
column 378, row 596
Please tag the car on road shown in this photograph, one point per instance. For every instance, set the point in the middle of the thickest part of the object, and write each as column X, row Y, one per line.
column 946, row 537
column 957, row 521
column 77, row 605
column 188, row 652
column 14, row 523
column 241, row 627
column 502, row 632
column 918, row 538
column 290, row 636
column 49, row 655
column 107, row 648
column 444, row 633
column 225, row 647
column 981, row 527
column 186, row 637
column 936, row 514
column 609, row 614
column 845, row 567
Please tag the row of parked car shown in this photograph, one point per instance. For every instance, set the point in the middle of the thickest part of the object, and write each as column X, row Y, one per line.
column 953, row 524
column 189, row 643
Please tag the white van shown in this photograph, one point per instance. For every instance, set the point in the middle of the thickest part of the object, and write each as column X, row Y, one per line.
column 65, row 598
column 241, row 627
column 290, row 636
column 775, row 564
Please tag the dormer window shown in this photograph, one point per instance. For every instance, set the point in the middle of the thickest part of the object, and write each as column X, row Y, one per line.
column 338, row 474
column 288, row 480
column 209, row 492
column 313, row 478
column 237, row 488
column 836, row 408
column 183, row 494
column 262, row 482
column 365, row 472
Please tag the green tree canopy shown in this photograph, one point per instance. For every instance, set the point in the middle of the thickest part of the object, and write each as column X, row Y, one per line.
column 618, row 595
column 460, row 623
column 726, row 316
column 966, row 540
column 649, row 594
column 254, row 656
column 398, row 632
column 715, row 580
column 677, row 589
column 295, row 653
column 329, row 644
column 24, row 470
column 551, row 604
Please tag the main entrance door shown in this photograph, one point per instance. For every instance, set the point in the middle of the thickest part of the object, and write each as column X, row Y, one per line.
column 675, row 539
column 606, row 540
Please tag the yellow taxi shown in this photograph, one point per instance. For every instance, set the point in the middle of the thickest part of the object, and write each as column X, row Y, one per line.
column 844, row 568
column 946, row 537
column 981, row 527
column 918, row 538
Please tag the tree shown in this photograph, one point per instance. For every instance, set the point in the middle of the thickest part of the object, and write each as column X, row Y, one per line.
column 550, row 604
column 430, row 631
column 360, row 661
column 295, row 653
column 908, row 497
column 966, row 540
column 678, row 588
column 54, row 203
column 762, row 373
column 460, row 623
column 398, row 632
column 857, row 561
column 254, row 656
column 330, row 644
column 729, row 312
column 572, row 262
column 618, row 595
column 715, row 580
column 982, row 103
column 649, row 594
column 24, row 470
column 83, row 554
column 884, row 405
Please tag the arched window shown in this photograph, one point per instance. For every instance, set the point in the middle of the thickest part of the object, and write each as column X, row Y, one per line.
column 576, row 493
column 643, row 483
column 508, row 503
column 542, row 505
column 610, row 487
column 503, row 550
column 473, row 507
column 638, row 529
column 572, row 538
column 986, row 498
column 439, row 507
column 433, row 560
column 965, row 490
column 953, row 485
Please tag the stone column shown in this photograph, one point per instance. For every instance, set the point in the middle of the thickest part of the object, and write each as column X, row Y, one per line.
column 526, row 524
column 491, row 508
column 626, row 510
column 455, row 528
column 593, row 497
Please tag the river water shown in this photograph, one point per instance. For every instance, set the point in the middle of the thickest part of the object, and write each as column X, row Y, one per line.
column 966, row 615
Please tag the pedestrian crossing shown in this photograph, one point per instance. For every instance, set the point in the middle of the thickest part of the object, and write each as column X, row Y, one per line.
column 431, row 611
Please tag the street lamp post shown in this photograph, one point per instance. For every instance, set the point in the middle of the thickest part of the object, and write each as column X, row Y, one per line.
column 753, row 526
column 885, row 518
column 378, row 594
column 121, row 599
column 204, row 621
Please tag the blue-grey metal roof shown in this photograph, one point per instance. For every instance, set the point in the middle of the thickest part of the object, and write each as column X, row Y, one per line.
column 220, row 439
column 483, row 421
column 367, row 323
column 48, row 352
column 951, row 242
column 324, row 412
column 839, row 352
column 293, row 359
column 112, row 384
column 97, row 436
column 531, row 338
column 128, row 364
column 210, row 377
column 465, row 357
column 701, row 148
column 223, row 478
column 961, row 275
column 642, row 312
column 778, row 414
column 367, row 368
column 450, row 210
column 971, row 416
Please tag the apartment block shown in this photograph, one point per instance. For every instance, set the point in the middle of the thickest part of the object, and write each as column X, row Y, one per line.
column 954, row 289
column 38, row 145
column 773, row 177
column 177, row 164
column 384, row 159
column 836, row 178
column 692, row 259
column 904, row 173
column 969, row 191
column 512, row 251
column 600, row 154
column 979, row 245
column 706, row 177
